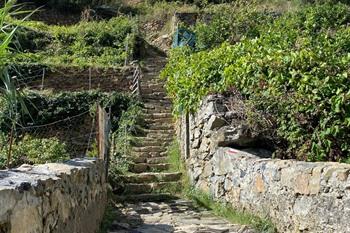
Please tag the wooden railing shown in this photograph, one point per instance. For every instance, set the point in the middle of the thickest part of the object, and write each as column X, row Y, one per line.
column 136, row 88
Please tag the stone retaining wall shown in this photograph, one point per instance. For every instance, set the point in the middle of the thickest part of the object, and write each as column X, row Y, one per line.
column 297, row 196
column 70, row 197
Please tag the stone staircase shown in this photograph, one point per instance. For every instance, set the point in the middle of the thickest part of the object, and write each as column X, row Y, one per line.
column 147, row 203
column 149, row 178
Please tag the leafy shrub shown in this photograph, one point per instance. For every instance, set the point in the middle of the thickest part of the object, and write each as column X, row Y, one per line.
column 122, row 140
column 97, row 44
column 44, row 109
column 129, row 124
column 30, row 40
column 67, row 5
column 297, row 71
column 230, row 24
column 33, row 151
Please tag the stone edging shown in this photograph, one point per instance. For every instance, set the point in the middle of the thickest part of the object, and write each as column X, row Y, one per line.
column 56, row 197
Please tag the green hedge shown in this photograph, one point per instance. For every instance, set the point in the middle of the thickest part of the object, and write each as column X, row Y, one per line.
column 297, row 70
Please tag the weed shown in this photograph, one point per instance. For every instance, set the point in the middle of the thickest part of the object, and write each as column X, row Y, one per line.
column 205, row 200
column 226, row 211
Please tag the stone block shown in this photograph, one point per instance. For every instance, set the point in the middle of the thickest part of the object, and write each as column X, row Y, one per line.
column 302, row 184
column 215, row 122
column 259, row 184
column 61, row 197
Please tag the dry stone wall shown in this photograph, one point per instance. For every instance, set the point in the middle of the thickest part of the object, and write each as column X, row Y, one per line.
column 297, row 196
column 53, row 198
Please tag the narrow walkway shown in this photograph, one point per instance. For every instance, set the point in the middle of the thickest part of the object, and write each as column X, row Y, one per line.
column 149, row 177
column 145, row 204
column 177, row 216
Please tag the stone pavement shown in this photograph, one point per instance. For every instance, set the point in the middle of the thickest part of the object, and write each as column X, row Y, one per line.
column 178, row 216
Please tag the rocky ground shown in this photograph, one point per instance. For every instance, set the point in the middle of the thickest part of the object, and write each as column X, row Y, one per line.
column 178, row 216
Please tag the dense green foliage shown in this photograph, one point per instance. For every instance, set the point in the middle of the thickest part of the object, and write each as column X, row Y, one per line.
column 67, row 5
column 32, row 151
column 87, row 44
column 45, row 109
column 58, row 110
column 123, row 138
column 297, row 70
column 230, row 24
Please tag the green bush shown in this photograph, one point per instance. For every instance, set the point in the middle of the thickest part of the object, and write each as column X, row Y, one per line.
column 33, row 151
column 87, row 44
column 230, row 24
column 129, row 124
column 297, row 71
column 122, row 141
column 67, row 5
column 45, row 109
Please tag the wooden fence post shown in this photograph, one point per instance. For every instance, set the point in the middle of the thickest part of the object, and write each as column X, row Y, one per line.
column 103, row 131
column 187, row 136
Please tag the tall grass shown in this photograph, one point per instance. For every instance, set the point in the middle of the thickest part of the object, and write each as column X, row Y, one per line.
column 8, row 91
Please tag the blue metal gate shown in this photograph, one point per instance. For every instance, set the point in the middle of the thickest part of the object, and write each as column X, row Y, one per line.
column 184, row 37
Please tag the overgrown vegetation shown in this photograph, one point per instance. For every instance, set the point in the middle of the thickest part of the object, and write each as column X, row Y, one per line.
column 51, row 114
column 294, row 69
column 108, row 218
column 122, row 140
column 202, row 199
column 233, row 215
column 87, row 44
column 30, row 150
column 48, row 108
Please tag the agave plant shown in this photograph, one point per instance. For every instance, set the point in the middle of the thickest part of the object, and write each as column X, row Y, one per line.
column 8, row 91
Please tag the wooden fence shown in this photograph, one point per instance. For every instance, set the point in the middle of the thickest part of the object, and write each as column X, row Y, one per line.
column 102, row 136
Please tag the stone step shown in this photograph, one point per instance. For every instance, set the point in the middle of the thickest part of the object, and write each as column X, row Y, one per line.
column 147, row 160
column 157, row 187
column 148, row 154
column 155, row 63
column 144, row 167
column 156, row 98
column 153, row 93
column 161, row 135
column 159, row 120
column 157, row 115
column 157, row 106
column 147, row 139
column 158, row 110
column 146, row 197
column 142, row 143
column 144, row 178
column 157, row 103
column 154, row 86
column 161, row 127
column 149, row 149
column 158, row 131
